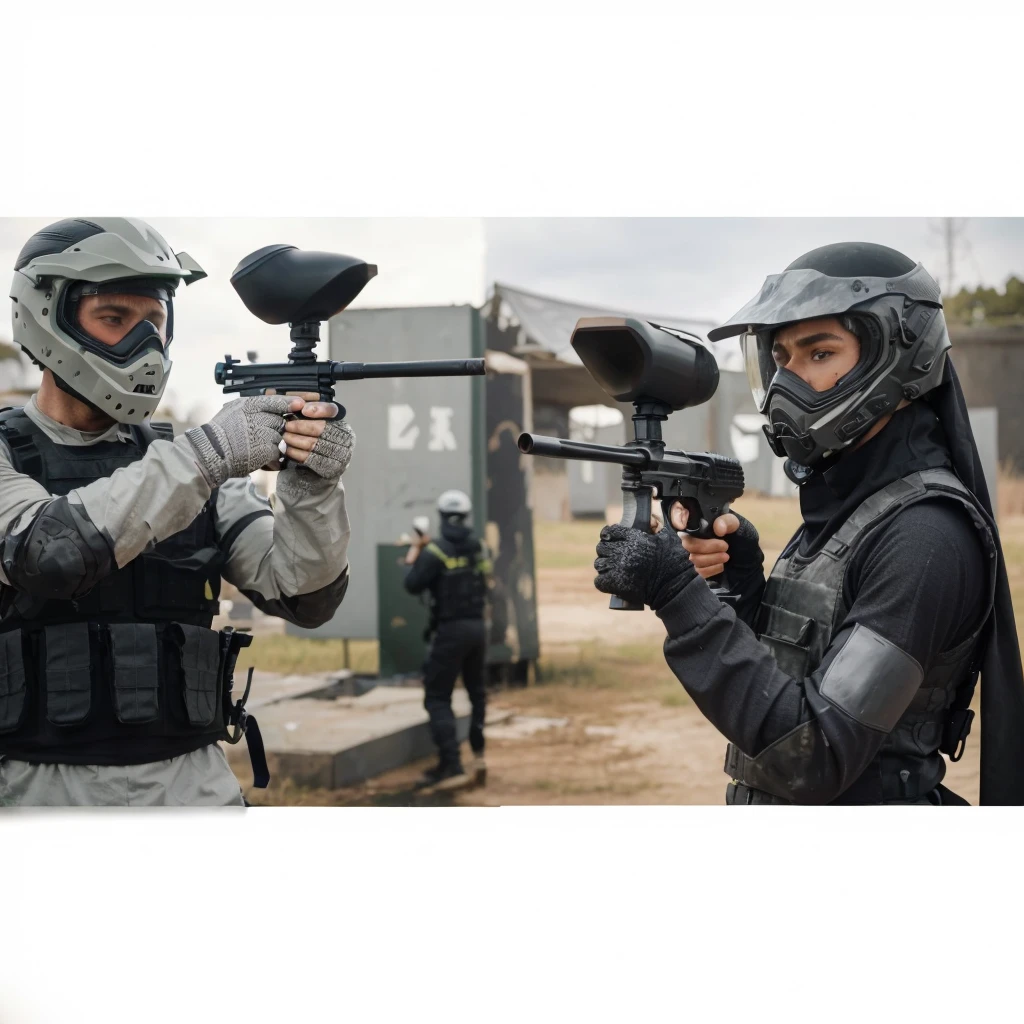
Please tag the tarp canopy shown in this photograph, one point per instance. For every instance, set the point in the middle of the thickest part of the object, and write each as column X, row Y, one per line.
column 548, row 325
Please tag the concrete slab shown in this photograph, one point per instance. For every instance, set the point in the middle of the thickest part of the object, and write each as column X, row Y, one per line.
column 343, row 741
column 270, row 688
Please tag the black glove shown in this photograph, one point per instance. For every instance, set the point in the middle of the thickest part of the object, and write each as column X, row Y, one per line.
column 640, row 567
column 745, row 554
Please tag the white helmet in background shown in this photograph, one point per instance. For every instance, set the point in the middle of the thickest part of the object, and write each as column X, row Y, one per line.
column 454, row 503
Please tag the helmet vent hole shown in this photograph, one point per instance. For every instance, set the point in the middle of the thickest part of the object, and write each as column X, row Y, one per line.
column 131, row 412
column 78, row 373
column 45, row 311
column 145, row 415
column 118, row 406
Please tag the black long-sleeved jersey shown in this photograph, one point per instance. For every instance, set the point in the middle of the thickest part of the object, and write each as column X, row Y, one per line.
column 920, row 584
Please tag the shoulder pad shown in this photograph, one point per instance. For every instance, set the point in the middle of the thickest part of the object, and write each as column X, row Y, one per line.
column 9, row 412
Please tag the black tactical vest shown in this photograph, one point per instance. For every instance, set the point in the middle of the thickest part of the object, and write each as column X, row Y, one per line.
column 130, row 672
column 460, row 591
column 802, row 606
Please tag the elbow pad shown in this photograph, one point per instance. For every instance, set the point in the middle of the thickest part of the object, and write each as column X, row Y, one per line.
column 870, row 681
column 305, row 610
column 59, row 555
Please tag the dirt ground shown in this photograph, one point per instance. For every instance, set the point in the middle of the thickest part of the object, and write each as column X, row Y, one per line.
column 607, row 722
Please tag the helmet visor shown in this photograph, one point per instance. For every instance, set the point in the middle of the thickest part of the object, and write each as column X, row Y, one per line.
column 759, row 364
column 807, row 294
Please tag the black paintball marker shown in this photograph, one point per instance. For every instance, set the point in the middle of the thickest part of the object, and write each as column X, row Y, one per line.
column 660, row 370
column 281, row 284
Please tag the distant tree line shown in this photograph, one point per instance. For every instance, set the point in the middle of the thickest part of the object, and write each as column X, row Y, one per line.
column 987, row 305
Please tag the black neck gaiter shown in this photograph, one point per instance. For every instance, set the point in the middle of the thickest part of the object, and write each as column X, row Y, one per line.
column 911, row 441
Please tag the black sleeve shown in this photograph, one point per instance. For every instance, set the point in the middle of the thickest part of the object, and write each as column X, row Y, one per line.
column 423, row 572
column 902, row 585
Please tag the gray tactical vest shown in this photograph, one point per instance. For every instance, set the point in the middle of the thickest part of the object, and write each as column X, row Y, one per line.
column 802, row 607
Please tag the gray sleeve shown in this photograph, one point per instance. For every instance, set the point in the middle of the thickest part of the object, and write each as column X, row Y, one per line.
column 289, row 557
column 62, row 546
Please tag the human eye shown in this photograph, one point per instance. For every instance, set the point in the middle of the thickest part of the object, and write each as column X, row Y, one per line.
column 820, row 355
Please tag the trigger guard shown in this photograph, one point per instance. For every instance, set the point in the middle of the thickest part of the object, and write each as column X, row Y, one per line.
column 704, row 530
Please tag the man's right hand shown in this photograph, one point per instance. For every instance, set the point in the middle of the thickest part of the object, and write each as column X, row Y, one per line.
column 242, row 437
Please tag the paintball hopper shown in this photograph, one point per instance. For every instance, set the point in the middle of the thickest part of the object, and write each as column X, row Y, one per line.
column 281, row 284
column 636, row 361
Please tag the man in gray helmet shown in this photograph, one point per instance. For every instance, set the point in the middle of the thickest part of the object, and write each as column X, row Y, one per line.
column 114, row 535
column 848, row 674
column 455, row 570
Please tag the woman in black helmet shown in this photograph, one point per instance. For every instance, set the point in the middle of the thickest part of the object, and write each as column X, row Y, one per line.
column 847, row 675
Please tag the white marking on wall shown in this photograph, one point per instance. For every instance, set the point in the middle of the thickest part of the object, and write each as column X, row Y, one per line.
column 402, row 432
column 441, row 437
column 745, row 436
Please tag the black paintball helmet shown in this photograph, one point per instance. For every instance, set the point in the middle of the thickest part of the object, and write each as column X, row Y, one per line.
column 890, row 303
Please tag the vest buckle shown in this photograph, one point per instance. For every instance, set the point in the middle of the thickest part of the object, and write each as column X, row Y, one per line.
column 238, row 717
column 957, row 730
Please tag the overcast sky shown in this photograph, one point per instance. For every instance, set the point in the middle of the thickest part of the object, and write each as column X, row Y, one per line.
column 699, row 267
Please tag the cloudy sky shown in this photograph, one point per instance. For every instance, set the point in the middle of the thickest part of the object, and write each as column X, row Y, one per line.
column 700, row 267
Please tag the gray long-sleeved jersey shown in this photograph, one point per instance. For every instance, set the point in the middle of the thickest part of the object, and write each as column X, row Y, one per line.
column 289, row 557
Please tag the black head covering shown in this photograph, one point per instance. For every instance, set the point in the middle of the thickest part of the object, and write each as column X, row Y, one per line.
column 1002, row 680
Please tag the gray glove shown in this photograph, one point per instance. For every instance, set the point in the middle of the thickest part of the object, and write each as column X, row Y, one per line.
column 333, row 450
column 641, row 567
column 241, row 438
column 327, row 460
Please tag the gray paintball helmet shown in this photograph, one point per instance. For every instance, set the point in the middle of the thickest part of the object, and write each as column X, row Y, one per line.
column 105, row 255
column 454, row 503
column 893, row 307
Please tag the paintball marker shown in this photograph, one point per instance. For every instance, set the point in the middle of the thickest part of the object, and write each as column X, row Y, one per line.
column 282, row 284
column 660, row 370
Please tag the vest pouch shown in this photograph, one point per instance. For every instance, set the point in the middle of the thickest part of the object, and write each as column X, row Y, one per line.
column 13, row 690
column 788, row 636
column 200, row 670
column 134, row 655
column 67, row 672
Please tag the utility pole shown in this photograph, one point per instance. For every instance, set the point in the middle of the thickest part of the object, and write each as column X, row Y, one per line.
column 952, row 231
column 949, row 232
